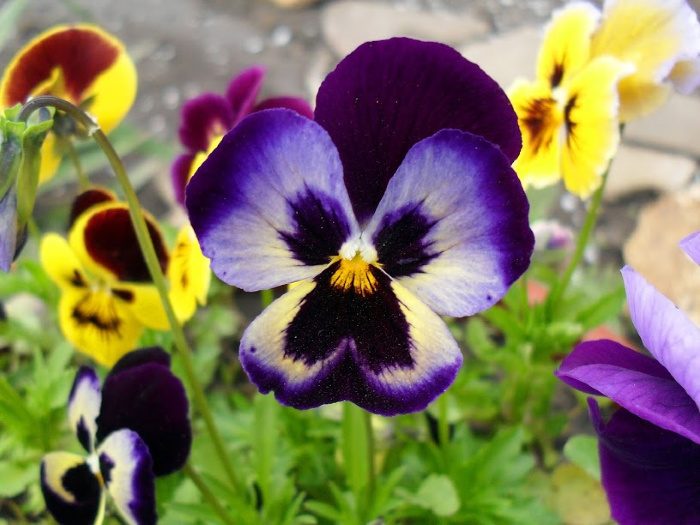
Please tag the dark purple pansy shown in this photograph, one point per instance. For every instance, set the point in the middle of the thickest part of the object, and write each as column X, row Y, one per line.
column 208, row 117
column 134, row 428
column 396, row 205
column 659, row 421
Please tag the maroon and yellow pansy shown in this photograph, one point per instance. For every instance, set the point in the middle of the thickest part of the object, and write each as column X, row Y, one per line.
column 81, row 64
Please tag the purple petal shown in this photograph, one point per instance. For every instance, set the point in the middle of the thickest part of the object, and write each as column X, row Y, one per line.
column 142, row 394
column 386, row 96
column 453, row 224
column 691, row 246
column 84, row 406
column 243, row 91
column 204, row 117
column 180, row 175
column 71, row 490
column 8, row 229
column 299, row 105
column 126, row 469
column 666, row 331
column 635, row 382
column 651, row 475
column 351, row 334
column 268, row 205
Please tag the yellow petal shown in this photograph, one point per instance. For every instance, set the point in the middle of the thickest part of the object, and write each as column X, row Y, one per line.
column 202, row 156
column 592, row 126
column 145, row 304
column 540, row 119
column 98, row 323
column 566, row 45
column 653, row 35
column 189, row 274
column 50, row 158
column 61, row 263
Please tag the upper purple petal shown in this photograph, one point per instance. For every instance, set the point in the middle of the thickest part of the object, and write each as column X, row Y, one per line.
column 635, row 382
column 243, row 91
column 651, row 476
column 8, row 229
column 180, row 175
column 297, row 104
column 269, row 206
column 386, row 96
column 691, row 246
column 203, row 117
column 142, row 394
column 670, row 336
column 453, row 225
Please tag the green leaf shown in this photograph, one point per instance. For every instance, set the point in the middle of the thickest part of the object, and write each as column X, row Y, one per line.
column 607, row 307
column 438, row 494
column 15, row 476
column 583, row 451
column 28, row 180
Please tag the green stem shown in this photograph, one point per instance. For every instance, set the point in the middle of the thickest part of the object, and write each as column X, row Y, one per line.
column 211, row 499
column 358, row 455
column 443, row 423
column 83, row 180
column 586, row 230
column 149, row 254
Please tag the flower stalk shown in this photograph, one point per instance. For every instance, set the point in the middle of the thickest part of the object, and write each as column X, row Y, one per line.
column 358, row 454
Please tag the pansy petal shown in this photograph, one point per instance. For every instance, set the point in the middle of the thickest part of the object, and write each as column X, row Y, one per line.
column 540, row 120
column 243, row 91
column 87, row 199
column 126, row 468
column 203, row 118
column 297, row 104
column 188, row 274
column 453, row 225
column 592, row 127
column 685, row 75
column 146, row 397
column 80, row 63
column 61, row 263
column 50, row 158
column 633, row 381
column 351, row 334
column 566, row 45
column 84, row 406
column 653, row 35
column 98, row 323
column 666, row 332
column 8, row 229
column 180, row 175
column 72, row 492
column 144, row 303
column 650, row 475
column 272, row 194
column 386, row 96
column 691, row 246
column 104, row 240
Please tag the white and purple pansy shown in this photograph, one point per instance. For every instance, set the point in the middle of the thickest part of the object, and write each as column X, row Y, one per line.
column 650, row 447
column 395, row 205
column 134, row 428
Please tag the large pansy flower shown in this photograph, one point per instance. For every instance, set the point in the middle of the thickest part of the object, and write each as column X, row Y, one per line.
column 134, row 428
column 396, row 204
column 650, row 448
column 81, row 64
column 207, row 118
column 569, row 115
column 661, row 38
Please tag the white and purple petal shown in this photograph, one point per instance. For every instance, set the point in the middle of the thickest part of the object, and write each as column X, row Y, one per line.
column 126, row 468
column 71, row 490
column 142, row 394
column 269, row 206
column 453, row 224
column 351, row 334
column 651, row 476
column 666, row 332
column 388, row 95
column 635, row 382
column 84, row 406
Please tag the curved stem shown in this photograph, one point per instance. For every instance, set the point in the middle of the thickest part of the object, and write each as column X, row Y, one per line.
column 83, row 180
column 211, row 499
column 149, row 254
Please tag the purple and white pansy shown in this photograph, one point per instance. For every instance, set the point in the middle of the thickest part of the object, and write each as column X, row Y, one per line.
column 134, row 428
column 650, row 447
column 395, row 205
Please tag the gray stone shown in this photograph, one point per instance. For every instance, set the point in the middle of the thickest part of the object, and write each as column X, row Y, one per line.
column 347, row 24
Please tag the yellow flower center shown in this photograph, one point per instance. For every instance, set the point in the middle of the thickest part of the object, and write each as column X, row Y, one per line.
column 354, row 275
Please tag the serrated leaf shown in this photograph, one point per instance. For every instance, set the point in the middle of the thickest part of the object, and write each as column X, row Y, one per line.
column 438, row 494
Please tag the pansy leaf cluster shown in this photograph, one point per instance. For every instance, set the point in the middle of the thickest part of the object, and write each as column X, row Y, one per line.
column 594, row 71
column 107, row 294
column 81, row 64
column 650, row 447
column 394, row 205
column 207, row 118
column 135, row 427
